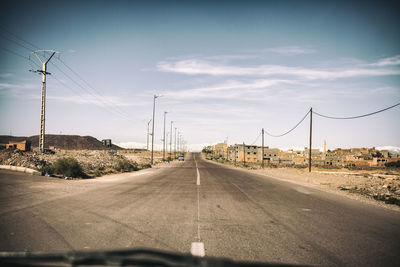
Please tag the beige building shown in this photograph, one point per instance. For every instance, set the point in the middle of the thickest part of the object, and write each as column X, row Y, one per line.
column 21, row 145
column 221, row 149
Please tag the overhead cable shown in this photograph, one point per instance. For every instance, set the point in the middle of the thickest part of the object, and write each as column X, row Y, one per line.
column 256, row 139
column 355, row 117
column 280, row 135
column 19, row 37
column 91, row 87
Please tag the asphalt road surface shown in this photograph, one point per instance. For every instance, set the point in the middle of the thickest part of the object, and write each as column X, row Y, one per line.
column 192, row 204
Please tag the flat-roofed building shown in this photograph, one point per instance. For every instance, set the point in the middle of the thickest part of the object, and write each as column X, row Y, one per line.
column 21, row 145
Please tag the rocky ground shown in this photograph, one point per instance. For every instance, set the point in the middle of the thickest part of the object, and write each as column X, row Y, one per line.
column 93, row 162
column 378, row 184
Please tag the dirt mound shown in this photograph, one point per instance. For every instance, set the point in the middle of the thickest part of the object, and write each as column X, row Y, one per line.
column 68, row 142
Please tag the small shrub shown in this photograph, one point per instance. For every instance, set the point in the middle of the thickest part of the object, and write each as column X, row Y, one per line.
column 69, row 167
column 145, row 166
column 47, row 169
column 125, row 166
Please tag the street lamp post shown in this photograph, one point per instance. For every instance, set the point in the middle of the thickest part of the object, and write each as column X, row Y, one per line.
column 175, row 144
column 170, row 142
column 165, row 115
column 152, row 130
column 148, row 126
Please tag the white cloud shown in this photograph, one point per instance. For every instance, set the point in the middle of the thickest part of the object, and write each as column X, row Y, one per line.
column 90, row 99
column 227, row 90
column 19, row 86
column 201, row 67
column 390, row 61
column 392, row 149
column 6, row 75
column 290, row 50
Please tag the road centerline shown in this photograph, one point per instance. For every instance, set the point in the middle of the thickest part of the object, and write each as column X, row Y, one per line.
column 197, row 248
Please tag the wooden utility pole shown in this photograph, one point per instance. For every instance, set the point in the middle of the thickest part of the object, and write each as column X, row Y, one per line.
column 262, row 149
column 309, row 153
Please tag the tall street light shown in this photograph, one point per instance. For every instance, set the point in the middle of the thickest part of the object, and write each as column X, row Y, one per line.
column 165, row 115
column 175, row 144
column 170, row 142
column 152, row 130
column 148, row 126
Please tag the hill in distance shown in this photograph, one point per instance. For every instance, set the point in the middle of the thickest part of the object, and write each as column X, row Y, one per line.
column 69, row 142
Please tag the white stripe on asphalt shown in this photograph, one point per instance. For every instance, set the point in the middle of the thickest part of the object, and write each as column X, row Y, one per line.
column 198, row 177
column 197, row 249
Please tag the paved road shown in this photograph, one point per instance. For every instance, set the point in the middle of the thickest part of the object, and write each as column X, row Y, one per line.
column 233, row 213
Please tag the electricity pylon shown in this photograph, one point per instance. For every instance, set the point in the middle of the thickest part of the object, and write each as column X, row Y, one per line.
column 44, row 72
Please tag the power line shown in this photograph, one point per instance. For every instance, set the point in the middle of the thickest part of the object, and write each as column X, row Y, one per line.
column 15, row 53
column 256, row 139
column 15, row 42
column 111, row 108
column 19, row 37
column 83, row 96
column 109, row 104
column 19, row 55
column 280, row 135
column 356, row 117
column 90, row 86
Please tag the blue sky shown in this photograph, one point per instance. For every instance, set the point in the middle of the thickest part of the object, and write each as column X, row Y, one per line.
column 224, row 69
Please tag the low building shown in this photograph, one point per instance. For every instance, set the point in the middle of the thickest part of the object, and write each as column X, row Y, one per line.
column 243, row 153
column 270, row 154
column 21, row 145
column 381, row 162
column 221, row 149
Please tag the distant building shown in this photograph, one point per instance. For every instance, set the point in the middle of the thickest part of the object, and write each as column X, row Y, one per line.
column 380, row 162
column 240, row 153
column 21, row 145
column 221, row 149
column 270, row 154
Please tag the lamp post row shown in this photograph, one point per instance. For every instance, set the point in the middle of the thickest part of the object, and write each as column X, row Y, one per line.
column 177, row 142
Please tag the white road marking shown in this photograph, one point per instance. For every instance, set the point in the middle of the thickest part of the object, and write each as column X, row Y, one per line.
column 198, row 177
column 198, row 213
column 197, row 249
column 303, row 190
column 139, row 173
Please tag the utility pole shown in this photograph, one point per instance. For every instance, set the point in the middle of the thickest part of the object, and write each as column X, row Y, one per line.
column 148, row 126
column 262, row 149
column 236, row 150
column 244, row 154
column 309, row 153
column 44, row 72
column 170, row 143
column 165, row 115
column 175, row 144
column 179, row 142
column 152, row 130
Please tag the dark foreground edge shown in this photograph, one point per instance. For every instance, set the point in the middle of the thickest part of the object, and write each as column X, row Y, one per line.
column 132, row 257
